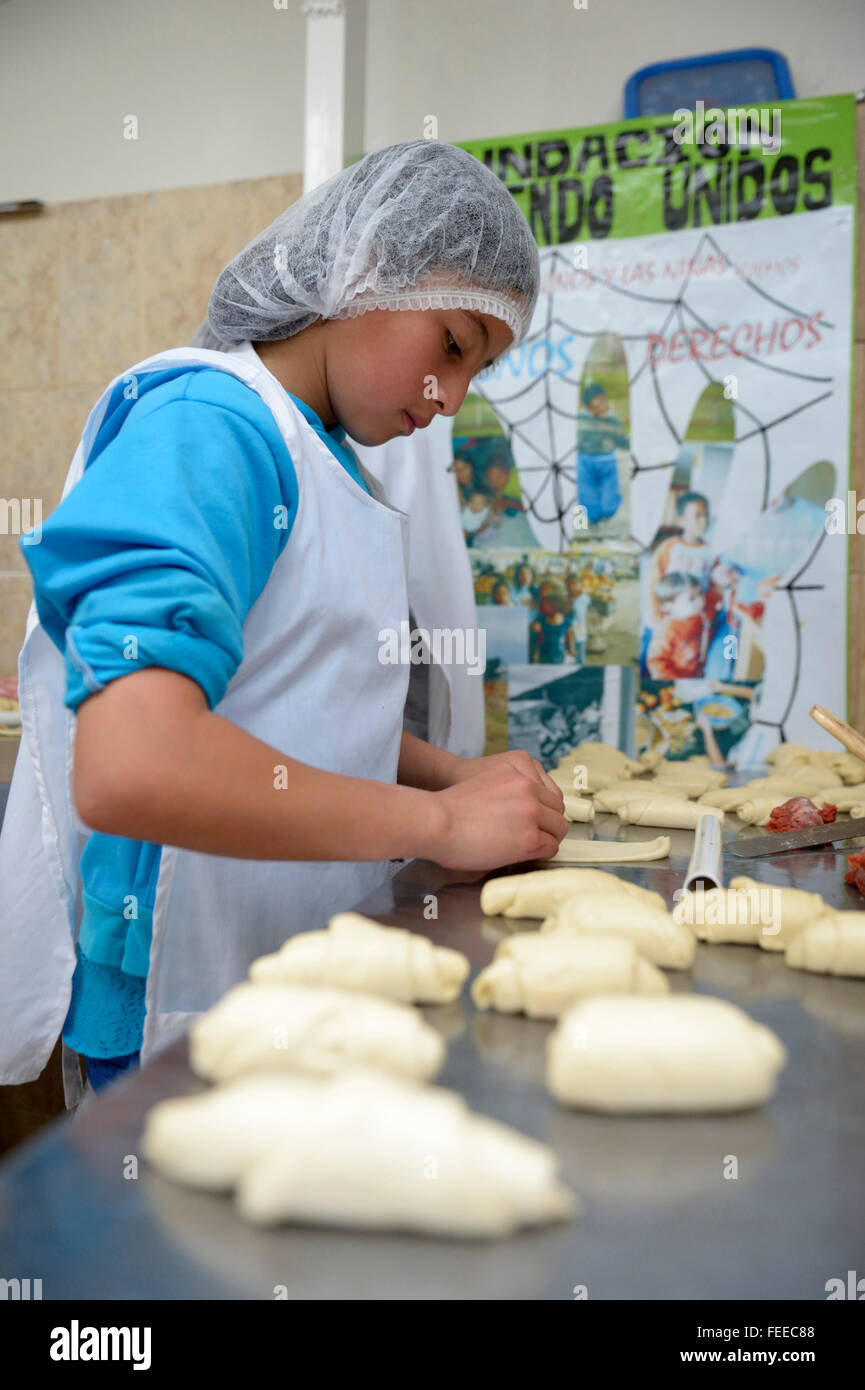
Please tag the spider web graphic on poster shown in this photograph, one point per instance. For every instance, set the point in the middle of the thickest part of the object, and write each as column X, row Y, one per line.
column 546, row 475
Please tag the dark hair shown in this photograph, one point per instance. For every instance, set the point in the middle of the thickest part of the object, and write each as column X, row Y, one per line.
column 686, row 497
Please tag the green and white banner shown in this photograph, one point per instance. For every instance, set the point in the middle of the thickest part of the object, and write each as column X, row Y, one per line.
column 656, row 481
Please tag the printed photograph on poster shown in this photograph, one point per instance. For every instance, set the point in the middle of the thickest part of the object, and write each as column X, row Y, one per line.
column 581, row 608
column 705, row 581
column 603, row 476
column 492, row 511
column 550, row 710
column 682, row 717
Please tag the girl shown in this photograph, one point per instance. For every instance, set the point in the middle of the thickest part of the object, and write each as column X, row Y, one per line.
column 213, row 754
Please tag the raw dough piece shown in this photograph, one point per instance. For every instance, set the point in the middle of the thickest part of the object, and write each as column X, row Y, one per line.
column 848, row 767
column 727, row 915
column 602, row 753
column 686, row 772
column 279, row 1028
column 792, row 908
column 650, row 759
column 662, row 810
column 687, row 787
column 356, row 1151
column 542, row 975
column 788, row 755
column 756, row 811
column 356, row 953
column 630, row 1055
column 543, row 891
column 610, row 851
column 833, row 945
column 579, row 808
column 591, row 781
column 842, row 798
column 611, row 798
column 654, row 931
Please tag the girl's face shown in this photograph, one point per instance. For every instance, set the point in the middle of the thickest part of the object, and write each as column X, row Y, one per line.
column 385, row 363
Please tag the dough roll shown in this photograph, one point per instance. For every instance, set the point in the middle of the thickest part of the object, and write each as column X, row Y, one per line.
column 757, row 811
column 359, row 1150
column 843, row 798
column 650, row 759
column 356, row 953
column 610, row 851
column 579, row 808
column 542, row 892
column 832, row 945
column 684, row 1053
column 611, row 798
column 791, row 910
column 540, row 975
column 662, row 810
column 728, row 915
column 279, row 1028
column 652, row 929
column 687, row 787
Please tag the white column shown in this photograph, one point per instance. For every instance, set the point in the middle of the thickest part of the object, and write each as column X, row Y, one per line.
column 324, row 103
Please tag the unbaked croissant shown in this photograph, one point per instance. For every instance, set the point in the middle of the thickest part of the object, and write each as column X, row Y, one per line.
column 306, row 1028
column 359, row 1150
column 541, row 892
column 634, row 1055
column 356, row 953
column 834, row 944
column 540, row 975
column 656, row 933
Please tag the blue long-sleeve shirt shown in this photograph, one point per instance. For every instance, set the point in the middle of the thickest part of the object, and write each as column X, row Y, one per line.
column 155, row 558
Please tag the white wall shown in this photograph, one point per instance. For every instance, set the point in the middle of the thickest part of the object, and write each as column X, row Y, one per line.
column 217, row 85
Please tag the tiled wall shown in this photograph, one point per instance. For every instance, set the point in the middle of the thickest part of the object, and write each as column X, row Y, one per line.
column 86, row 290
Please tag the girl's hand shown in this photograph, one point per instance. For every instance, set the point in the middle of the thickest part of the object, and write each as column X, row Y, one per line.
column 514, row 757
column 502, row 815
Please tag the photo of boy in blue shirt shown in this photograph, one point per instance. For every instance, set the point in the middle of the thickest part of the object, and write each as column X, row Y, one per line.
column 599, row 434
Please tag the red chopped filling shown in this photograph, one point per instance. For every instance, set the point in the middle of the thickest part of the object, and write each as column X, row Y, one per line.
column 855, row 875
column 797, row 814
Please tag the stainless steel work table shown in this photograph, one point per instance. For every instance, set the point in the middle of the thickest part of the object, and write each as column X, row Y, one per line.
column 660, row 1219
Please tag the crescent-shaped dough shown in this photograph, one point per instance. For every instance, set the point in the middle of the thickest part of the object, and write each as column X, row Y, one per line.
column 661, row 810
column 843, row 798
column 278, row 1028
column 757, row 811
column 727, row 915
column 788, row 755
column 693, row 786
column 542, row 892
column 356, row 953
column 602, row 753
column 579, row 808
column 591, row 780
column 611, row 798
column 848, row 767
column 790, row 911
column 610, row 851
column 688, row 771
column 650, row 759
column 360, row 1150
column 631, row 1055
column 542, row 975
column 833, row 945
column 654, row 931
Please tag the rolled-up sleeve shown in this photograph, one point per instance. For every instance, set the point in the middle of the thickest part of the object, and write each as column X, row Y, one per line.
column 157, row 554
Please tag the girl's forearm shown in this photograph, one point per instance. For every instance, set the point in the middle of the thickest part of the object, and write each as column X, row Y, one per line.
column 205, row 784
column 424, row 765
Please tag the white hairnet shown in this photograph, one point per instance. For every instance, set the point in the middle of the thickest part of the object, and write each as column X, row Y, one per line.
column 419, row 225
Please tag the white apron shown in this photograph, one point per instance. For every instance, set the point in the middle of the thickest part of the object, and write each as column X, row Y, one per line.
column 310, row 683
